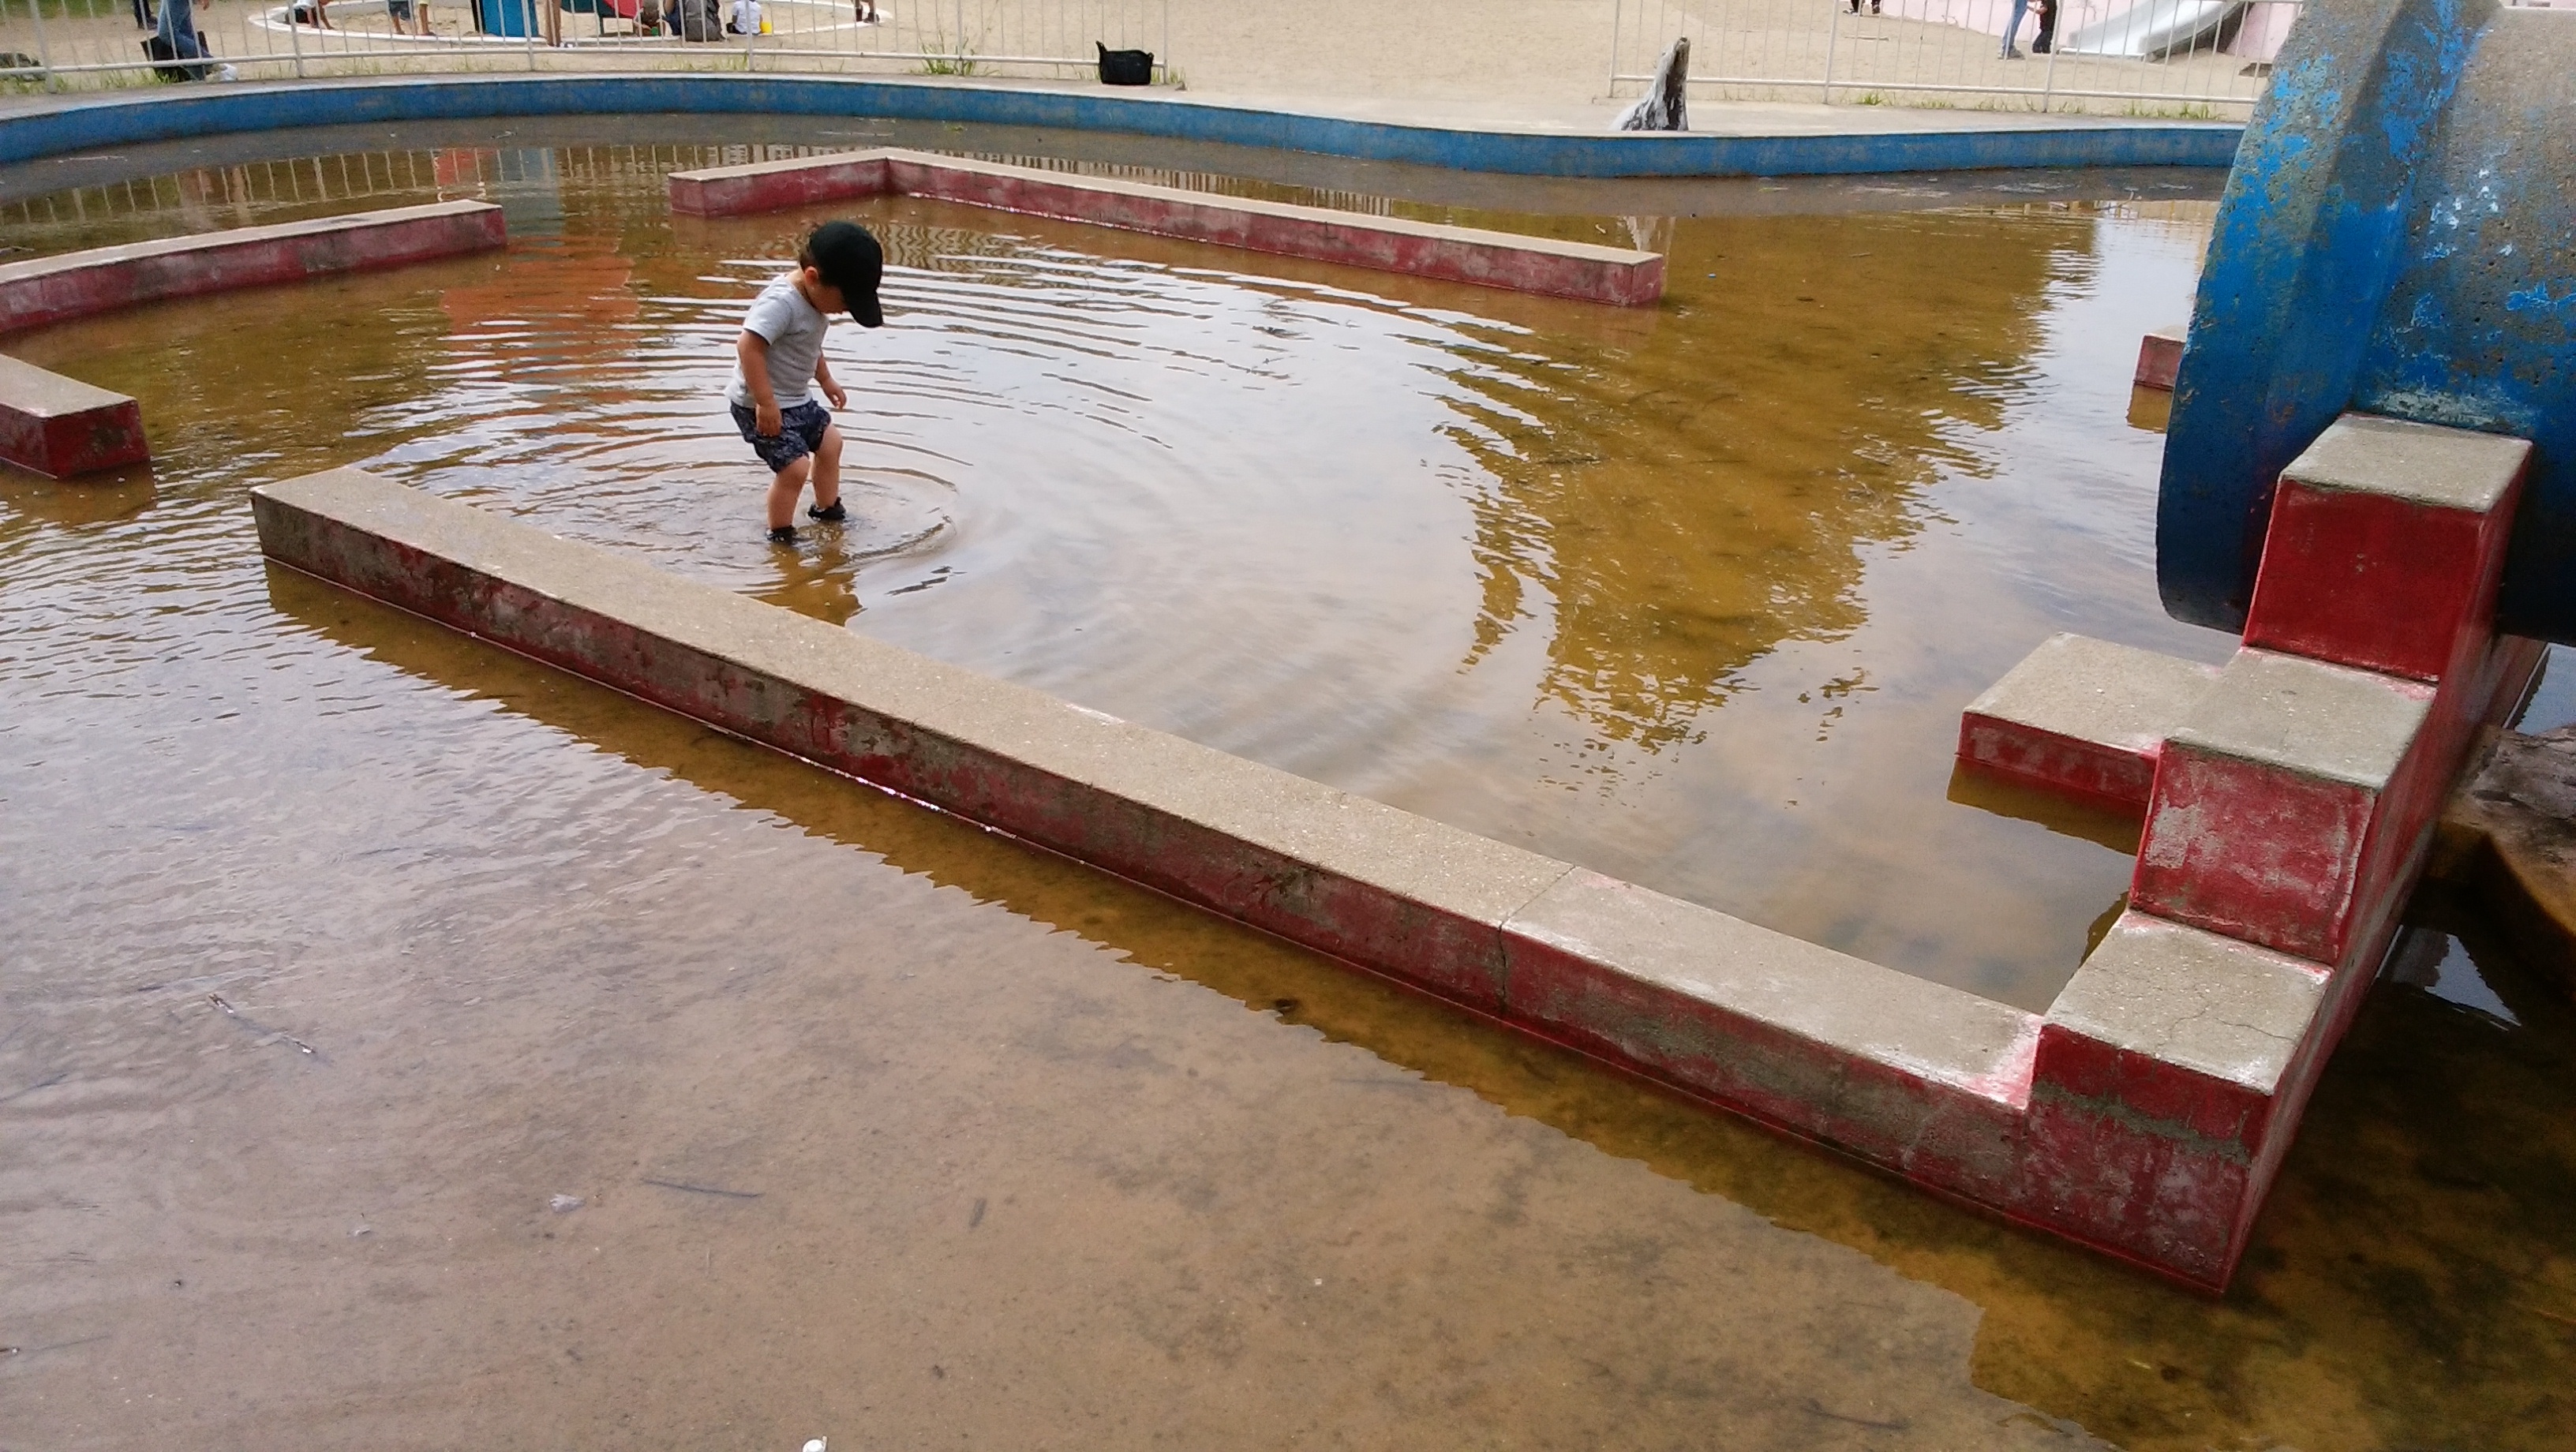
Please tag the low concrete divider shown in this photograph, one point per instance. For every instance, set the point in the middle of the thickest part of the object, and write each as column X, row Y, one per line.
column 1923, row 1079
column 61, row 426
column 1620, row 276
column 77, row 284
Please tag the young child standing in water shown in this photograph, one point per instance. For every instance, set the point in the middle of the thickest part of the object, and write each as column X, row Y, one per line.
column 779, row 365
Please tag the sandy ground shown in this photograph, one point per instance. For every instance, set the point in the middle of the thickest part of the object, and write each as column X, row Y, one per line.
column 1505, row 63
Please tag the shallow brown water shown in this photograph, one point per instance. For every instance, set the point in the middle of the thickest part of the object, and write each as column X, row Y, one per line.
column 1011, row 1154
column 1691, row 596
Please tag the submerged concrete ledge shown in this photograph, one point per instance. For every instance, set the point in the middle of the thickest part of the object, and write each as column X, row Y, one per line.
column 1620, row 276
column 1942, row 144
column 77, row 284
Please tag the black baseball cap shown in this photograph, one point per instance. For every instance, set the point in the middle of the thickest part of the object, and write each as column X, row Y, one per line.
column 849, row 259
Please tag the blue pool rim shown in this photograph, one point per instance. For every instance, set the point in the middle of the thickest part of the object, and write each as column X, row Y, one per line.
column 72, row 125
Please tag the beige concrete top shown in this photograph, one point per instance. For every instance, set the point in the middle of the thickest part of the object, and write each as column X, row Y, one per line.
column 1877, row 1014
column 1410, row 856
column 2213, row 1004
column 2361, row 453
column 2095, row 691
column 42, row 393
column 2305, row 716
column 231, row 237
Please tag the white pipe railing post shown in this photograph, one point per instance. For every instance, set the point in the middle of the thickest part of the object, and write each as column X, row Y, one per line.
column 44, row 48
column 1618, row 13
column 1833, row 33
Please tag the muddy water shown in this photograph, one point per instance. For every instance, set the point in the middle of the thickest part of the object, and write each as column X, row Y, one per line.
column 332, row 946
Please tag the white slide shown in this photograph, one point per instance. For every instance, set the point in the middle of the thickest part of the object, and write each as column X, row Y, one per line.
column 2151, row 29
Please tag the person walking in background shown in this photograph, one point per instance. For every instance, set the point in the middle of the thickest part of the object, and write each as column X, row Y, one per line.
column 175, row 43
column 2012, row 28
column 2046, row 40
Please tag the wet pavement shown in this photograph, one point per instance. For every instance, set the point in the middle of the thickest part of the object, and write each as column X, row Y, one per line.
column 334, row 947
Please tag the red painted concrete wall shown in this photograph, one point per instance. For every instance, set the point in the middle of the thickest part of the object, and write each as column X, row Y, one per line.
column 54, row 289
column 61, row 446
column 1456, row 254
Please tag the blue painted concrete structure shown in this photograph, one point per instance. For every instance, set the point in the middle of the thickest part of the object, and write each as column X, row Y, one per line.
column 2398, row 238
column 91, row 123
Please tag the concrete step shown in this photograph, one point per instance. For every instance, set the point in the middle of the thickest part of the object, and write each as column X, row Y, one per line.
column 2269, row 819
column 2385, row 544
column 2083, row 718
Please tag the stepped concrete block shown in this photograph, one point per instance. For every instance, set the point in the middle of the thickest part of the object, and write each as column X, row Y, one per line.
column 61, row 427
column 2145, row 1114
column 2083, row 718
column 2266, row 820
column 2160, row 357
column 2385, row 546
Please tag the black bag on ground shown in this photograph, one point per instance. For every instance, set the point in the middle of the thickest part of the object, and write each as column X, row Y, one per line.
column 169, row 66
column 1125, row 67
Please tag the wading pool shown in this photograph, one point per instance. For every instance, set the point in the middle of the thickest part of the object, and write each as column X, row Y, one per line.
column 334, row 945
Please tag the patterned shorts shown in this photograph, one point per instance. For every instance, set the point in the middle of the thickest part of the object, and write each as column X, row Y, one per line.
column 800, row 432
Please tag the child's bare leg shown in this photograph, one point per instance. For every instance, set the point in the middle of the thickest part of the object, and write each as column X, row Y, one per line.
column 784, row 489
column 827, row 469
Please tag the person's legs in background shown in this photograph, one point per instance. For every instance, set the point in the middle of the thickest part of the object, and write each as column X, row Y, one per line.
column 178, row 30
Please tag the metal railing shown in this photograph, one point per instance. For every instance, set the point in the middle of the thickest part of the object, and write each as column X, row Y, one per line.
column 2194, row 59
column 67, row 44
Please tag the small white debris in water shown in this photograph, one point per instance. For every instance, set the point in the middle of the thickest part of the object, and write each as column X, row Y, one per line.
column 564, row 1204
column 816, row 1445
column 361, row 1230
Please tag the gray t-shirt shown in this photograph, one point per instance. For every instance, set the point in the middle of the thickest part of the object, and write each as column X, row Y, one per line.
column 795, row 333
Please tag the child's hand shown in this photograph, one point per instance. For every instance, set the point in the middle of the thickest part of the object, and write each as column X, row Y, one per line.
column 833, row 395
column 765, row 418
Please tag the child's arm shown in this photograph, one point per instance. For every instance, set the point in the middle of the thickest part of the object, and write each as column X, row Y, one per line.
column 753, row 350
column 832, row 393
